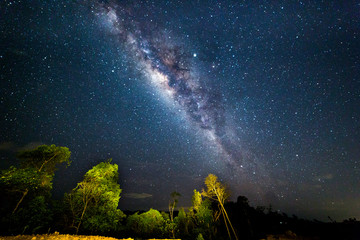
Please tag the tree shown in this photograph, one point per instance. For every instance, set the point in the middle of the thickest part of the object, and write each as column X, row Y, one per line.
column 45, row 158
column 31, row 184
column 217, row 192
column 147, row 224
column 36, row 172
column 21, row 181
column 182, row 222
column 172, row 204
column 200, row 237
column 37, row 214
column 196, row 200
column 32, row 175
column 202, row 208
column 202, row 215
column 94, row 201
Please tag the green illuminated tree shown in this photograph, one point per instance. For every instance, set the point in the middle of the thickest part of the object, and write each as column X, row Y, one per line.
column 20, row 181
column 30, row 185
column 202, row 215
column 45, row 158
column 172, row 204
column 182, row 222
column 147, row 224
column 217, row 192
column 94, row 201
column 36, row 172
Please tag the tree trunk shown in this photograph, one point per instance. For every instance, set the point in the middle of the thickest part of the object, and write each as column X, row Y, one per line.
column 21, row 199
column 227, row 228
column 224, row 211
column 82, row 215
column 46, row 161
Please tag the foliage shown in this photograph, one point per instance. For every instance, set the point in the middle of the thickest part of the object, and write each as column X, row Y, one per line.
column 147, row 224
column 196, row 200
column 217, row 192
column 21, row 179
column 172, row 204
column 95, row 200
column 37, row 215
column 200, row 237
column 45, row 158
column 169, row 227
column 202, row 216
column 26, row 206
column 182, row 223
column 36, row 172
column 27, row 189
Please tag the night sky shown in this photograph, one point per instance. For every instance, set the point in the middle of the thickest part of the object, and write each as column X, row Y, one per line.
column 264, row 95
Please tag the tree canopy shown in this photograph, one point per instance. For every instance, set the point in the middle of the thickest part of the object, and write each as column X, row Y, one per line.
column 30, row 184
column 218, row 192
column 45, row 158
column 147, row 224
column 94, row 201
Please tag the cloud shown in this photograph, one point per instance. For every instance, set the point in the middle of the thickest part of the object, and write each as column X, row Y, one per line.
column 137, row 195
column 7, row 146
column 12, row 147
column 30, row 146
column 328, row 176
column 320, row 178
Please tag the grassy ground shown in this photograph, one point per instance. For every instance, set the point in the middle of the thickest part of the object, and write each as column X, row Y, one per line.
column 58, row 237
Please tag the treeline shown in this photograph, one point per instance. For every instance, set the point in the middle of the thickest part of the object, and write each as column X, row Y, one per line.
column 92, row 207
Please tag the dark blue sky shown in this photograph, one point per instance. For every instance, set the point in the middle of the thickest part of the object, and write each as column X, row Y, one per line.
column 264, row 95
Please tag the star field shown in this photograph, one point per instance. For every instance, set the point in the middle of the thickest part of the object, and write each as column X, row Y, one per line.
column 264, row 95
